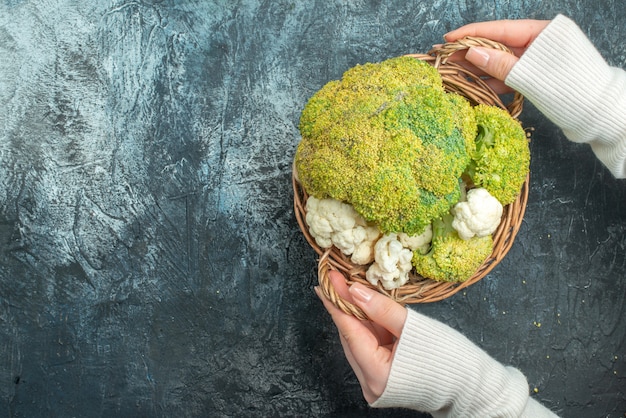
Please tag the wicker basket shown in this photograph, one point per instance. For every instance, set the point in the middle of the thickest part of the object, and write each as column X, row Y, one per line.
column 420, row 290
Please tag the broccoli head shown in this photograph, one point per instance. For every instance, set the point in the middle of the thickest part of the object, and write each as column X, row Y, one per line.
column 388, row 140
column 451, row 258
column 501, row 159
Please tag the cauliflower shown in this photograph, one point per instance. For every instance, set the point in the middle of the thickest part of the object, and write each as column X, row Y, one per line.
column 364, row 252
column 501, row 159
column 479, row 216
column 332, row 222
column 450, row 257
column 392, row 263
column 419, row 242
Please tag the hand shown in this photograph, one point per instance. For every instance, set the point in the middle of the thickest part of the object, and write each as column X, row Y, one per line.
column 369, row 346
column 517, row 35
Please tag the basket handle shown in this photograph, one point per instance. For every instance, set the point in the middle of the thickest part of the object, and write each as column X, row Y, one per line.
column 328, row 290
column 442, row 53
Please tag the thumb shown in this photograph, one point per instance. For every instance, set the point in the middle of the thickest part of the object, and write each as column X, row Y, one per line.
column 496, row 63
column 379, row 308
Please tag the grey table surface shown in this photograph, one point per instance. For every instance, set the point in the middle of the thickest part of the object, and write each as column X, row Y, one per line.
column 150, row 262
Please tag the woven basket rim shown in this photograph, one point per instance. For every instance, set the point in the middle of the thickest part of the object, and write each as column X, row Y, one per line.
column 419, row 290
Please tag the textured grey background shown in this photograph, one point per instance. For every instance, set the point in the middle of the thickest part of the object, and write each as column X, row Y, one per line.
column 150, row 264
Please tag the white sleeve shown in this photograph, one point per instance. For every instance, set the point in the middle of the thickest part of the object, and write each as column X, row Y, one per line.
column 567, row 79
column 437, row 370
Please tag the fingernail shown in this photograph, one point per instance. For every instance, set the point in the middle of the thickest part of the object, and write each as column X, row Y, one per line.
column 477, row 56
column 361, row 293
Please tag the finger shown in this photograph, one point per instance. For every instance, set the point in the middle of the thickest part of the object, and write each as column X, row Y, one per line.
column 459, row 56
column 349, row 326
column 360, row 345
column 350, row 329
column 496, row 63
column 379, row 308
column 341, row 287
column 352, row 361
column 513, row 33
column 333, row 310
column 370, row 385
column 340, row 318
column 385, row 338
column 363, row 338
column 370, row 361
column 339, row 284
column 498, row 86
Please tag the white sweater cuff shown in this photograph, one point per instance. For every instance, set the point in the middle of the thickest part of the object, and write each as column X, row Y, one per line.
column 438, row 370
column 567, row 79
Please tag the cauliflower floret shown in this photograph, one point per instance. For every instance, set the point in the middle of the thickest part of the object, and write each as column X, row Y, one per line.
column 479, row 216
column 364, row 252
column 392, row 263
column 419, row 242
column 347, row 239
column 332, row 222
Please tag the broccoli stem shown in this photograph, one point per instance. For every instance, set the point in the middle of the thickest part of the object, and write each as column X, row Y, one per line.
column 442, row 227
column 485, row 139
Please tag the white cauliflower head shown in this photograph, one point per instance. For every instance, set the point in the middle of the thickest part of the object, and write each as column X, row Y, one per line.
column 364, row 251
column 332, row 222
column 419, row 242
column 392, row 263
column 479, row 216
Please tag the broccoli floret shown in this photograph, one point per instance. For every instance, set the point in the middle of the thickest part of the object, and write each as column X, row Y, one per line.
column 451, row 258
column 389, row 140
column 466, row 120
column 501, row 159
